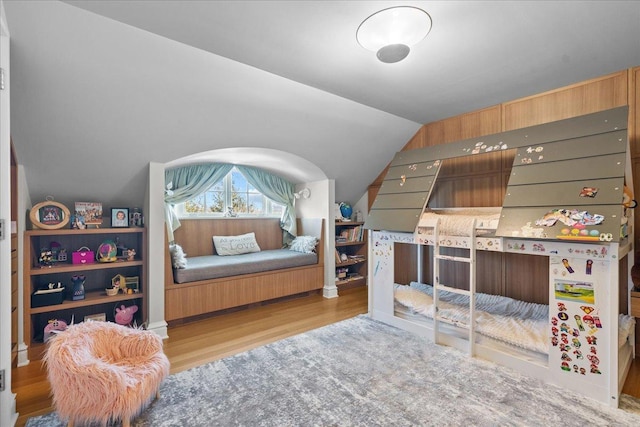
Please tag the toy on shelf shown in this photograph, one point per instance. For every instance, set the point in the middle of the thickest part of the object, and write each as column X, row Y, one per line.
column 124, row 315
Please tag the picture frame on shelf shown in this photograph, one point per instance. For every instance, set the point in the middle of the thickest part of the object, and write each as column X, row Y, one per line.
column 132, row 284
column 49, row 215
column 120, row 217
column 135, row 218
column 87, row 213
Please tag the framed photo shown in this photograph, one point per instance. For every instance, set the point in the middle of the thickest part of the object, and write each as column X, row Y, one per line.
column 135, row 218
column 49, row 215
column 119, row 217
column 88, row 213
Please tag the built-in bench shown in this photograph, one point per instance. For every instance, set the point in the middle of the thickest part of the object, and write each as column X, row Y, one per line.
column 239, row 280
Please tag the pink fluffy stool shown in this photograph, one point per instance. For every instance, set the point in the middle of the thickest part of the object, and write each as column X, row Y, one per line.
column 102, row 372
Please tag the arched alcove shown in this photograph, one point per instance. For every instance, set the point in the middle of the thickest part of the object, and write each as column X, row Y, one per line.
column 301, row 172
column 289, row 166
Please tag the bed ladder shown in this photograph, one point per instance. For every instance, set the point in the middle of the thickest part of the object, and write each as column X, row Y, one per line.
column 438, row 256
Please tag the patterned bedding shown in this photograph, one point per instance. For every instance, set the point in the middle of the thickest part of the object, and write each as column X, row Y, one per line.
column 518, row 323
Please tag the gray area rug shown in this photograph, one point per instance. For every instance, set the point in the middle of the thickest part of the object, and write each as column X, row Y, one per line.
column 360, row 372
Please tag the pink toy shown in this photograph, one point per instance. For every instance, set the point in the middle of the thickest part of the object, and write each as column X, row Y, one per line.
column 53, row 327
column 124, row 315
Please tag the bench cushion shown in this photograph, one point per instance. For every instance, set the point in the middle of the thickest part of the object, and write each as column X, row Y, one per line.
column 215, row 266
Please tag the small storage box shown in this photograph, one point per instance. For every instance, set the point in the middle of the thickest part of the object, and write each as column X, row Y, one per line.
column 46, row 297
column 83, row 256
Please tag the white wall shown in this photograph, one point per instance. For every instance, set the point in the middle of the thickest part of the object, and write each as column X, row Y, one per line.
column 320, row 205
column 154, row 221
column 8, row 415
column 24, row 203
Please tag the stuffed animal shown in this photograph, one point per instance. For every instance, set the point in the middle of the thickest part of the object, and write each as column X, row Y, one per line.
column 627, row 198
column 178, row 257
column 124, row 315
column 53, row 327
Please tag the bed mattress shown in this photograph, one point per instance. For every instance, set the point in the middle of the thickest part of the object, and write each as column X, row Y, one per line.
column 518, row 323
column 457, row 222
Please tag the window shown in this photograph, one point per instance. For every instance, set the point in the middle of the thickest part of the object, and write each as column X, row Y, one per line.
column 233, row 191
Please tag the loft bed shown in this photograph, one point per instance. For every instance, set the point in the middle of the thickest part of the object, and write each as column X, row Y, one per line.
column 563, row 202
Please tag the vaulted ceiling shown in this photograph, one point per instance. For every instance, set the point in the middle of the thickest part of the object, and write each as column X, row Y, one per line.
column 100, row 89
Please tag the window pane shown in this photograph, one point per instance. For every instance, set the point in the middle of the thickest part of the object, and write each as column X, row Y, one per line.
column 195, row 205
column 256, row 204
column 215, row 201
column 239, row 201
column 277, row 209
column 219, row 186
column 238, row 182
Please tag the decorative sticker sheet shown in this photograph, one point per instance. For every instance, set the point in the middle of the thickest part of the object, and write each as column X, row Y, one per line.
column 577, row 223
column 576, row 311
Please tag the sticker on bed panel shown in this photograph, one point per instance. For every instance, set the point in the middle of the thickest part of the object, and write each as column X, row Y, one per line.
column 567, row 290
column 587, row 309
column 588, row 266
column 528, row 231
column 589, row 192
column 569, row 217
column 565, row 262
column 579, row 322
column 590, row 322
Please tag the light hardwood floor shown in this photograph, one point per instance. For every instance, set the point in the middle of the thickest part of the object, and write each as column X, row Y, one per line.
column 196, row 343
column 211, row 339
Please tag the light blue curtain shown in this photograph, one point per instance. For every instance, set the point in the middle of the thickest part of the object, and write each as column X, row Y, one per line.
column 188, row 182
column 280, row 191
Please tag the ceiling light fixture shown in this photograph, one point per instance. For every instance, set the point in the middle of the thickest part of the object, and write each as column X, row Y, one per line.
column 391, row 32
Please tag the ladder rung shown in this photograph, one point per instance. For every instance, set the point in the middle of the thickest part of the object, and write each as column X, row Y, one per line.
column 441, row 287
column 452, row 258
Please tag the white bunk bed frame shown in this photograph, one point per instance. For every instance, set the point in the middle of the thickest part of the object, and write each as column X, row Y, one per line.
column 599, row 263
column 614, row 365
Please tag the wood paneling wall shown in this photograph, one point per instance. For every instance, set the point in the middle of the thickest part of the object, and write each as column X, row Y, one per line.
column 482, row 181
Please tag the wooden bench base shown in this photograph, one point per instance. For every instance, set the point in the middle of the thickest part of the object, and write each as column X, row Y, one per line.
column 188, row 300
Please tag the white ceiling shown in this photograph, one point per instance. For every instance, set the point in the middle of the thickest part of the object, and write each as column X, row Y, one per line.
column 123, row 97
